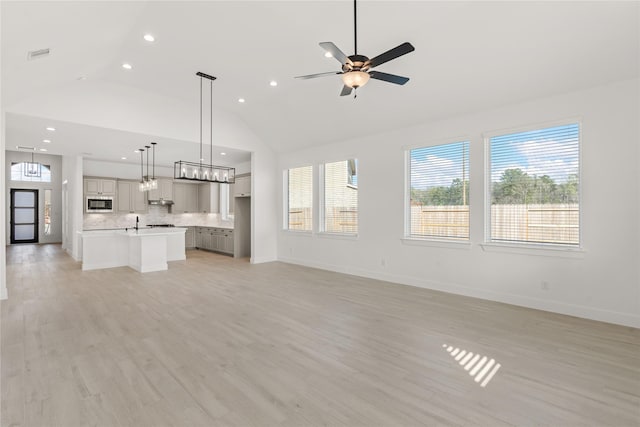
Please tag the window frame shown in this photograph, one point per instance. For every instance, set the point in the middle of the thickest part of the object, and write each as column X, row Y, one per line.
column 446, row 242
column 322, row 231
column 285, row 200
column 537, row 248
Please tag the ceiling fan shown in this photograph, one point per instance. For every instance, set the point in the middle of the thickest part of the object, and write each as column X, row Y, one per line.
column 357, row 69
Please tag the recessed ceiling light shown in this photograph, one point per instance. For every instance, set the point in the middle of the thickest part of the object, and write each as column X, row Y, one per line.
column 149, row 37
column 123, row 158
column 273, row 83
column 328, row 55
column 43, row 149
column 137, row 151
column 241, row 100
column 223, row 154
column 127, row 66
column 46, row 141
column 51, row 129
column 82, row 78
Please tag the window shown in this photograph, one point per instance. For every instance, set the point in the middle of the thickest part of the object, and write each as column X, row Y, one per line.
column 47, row 212
column 534, row 186
column 340, row 204
column 439, row 191
column 30, row 172
column 299, row 199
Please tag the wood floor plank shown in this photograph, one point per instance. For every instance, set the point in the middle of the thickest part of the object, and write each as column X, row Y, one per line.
column 216, row 341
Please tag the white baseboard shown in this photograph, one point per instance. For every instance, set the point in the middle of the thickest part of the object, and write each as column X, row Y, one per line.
column 625, row 319
column 260, row 260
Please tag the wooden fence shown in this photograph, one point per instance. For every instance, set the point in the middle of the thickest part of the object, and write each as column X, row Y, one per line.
column 544, row 223
column 339, row 220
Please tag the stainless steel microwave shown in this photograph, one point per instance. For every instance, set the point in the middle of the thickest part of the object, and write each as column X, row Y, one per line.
column 98, row 204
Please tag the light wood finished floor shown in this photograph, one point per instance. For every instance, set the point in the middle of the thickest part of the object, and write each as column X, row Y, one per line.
column 217, row 341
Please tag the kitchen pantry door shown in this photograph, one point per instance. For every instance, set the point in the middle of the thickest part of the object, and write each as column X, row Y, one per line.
column 24, row 216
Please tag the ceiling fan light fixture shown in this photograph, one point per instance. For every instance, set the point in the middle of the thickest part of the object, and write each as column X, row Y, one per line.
column 355, row 79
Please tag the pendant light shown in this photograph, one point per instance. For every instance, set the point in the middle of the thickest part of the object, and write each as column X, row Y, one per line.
column 200, row 171
column 141, row 186
column 153, row 182
column 32, row 169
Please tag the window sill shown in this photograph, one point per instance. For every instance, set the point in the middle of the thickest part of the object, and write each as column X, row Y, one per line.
column 537, row 250
column 338, row 236
column 438, row 243
column 297, row 232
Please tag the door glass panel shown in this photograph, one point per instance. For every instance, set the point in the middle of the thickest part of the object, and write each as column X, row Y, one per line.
column 24, row 199
column 24, row 215
column 24, row 232
column 47, row 212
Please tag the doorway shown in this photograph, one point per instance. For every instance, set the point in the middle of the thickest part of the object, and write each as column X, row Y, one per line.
column 24, row 216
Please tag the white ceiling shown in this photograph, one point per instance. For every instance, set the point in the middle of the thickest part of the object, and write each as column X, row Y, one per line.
column 469, row 56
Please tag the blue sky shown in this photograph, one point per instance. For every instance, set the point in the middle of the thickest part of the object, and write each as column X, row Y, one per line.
column 551, row 151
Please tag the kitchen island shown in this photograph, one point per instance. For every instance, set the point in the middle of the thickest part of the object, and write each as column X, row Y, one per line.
column 144, row 250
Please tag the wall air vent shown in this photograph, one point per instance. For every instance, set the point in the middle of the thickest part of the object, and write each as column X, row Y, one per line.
column 36, row 54
column 23, row 148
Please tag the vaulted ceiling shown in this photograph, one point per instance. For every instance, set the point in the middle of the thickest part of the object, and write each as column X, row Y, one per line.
column 469, row 56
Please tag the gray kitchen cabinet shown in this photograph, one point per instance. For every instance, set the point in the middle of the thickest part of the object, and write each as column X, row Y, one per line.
column 209, row 197
column 185, row 198
column 164, row 190
column 190, row 238
column 130, row 198
column 215, row 239
column 101, row 187
column 242, row 187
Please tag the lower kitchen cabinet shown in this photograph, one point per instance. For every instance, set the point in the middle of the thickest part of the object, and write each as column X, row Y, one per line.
column 190, row 238
column 215, row 239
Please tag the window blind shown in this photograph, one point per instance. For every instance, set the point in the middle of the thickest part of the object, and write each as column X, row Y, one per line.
column 300, row 199
column 535, row 186
column 439, row 191
column 341, row 197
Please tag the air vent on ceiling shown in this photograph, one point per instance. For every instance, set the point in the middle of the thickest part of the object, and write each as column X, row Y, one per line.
column 36, row 54
column 22, row 147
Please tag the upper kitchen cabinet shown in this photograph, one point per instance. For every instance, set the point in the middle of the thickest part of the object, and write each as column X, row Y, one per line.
column 242, row 187
column 164, row 190
column 209, row 198
column 185, row 198
column 102, row 187
column 130, row 198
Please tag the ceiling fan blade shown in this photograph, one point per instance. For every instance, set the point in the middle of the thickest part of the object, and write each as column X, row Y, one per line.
column 336, row 52
column 313, row 76
column 387, row 56
column 346, row 90
column 391, row 78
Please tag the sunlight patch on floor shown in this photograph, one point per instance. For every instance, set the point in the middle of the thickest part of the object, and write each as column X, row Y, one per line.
column 480, row 367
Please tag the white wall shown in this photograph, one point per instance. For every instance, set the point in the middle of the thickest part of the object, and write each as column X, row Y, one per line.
column 72, row 180
column 602, row 282
column 3, row 216
column 55, row 162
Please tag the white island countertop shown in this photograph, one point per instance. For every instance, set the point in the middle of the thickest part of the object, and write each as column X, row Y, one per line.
column 144, row 250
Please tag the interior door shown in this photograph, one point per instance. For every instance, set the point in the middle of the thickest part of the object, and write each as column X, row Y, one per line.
column 24, row 216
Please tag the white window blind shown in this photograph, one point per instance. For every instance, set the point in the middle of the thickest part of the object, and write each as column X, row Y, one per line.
column 439, row 191
column 340, row 205
column 535, row 186
column 300, row 199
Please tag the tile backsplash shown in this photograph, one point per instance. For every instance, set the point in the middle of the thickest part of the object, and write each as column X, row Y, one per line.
column 156, row 215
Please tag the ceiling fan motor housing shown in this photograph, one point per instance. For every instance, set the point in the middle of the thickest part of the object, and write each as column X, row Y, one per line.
column 356, row 63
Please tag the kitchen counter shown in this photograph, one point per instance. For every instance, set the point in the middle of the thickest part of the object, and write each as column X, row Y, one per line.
column 144, row 250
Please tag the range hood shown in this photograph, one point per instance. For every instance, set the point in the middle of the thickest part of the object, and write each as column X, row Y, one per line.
column 161, row 202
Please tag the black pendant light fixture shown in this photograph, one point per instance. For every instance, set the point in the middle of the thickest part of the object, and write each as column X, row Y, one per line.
column 199, row 171
column 32, row 169
column 148, row 182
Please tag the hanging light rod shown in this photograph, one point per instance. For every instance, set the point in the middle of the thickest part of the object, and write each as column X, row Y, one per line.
column 199, row 171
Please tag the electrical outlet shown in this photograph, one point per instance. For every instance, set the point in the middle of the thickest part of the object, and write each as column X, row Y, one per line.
column 290, row 251
column 383, row 261
column 544, row 285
